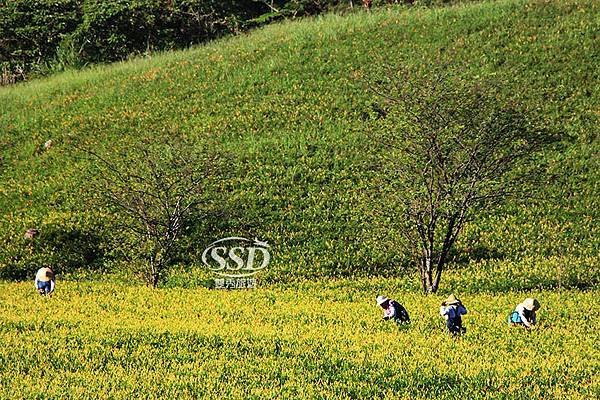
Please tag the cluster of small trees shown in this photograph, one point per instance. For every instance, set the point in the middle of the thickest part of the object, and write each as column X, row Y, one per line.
column 46, row 35
column 41, row 36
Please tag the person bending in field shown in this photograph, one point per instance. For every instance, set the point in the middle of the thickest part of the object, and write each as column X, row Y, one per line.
column 524, row 314
column 44, row 281
column 452, row 310
column 393, row 310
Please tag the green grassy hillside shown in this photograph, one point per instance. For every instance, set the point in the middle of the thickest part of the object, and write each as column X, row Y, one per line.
column 287, row 103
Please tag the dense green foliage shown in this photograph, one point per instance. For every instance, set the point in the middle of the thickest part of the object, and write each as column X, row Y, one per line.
column 312, row 340
column 113, row 30
column 71, row 33
column 289, row 105
column 31, row 32
column 42, row 36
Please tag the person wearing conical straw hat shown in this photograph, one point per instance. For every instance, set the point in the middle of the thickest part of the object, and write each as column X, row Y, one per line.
column 524, row 314
column 393, row 310
column 452, row 310
column 44, row 281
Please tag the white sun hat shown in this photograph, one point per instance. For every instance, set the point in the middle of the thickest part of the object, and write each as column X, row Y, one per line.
column 381, row 300
column 531, row 304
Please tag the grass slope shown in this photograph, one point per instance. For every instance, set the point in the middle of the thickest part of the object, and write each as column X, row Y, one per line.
column 287, row 103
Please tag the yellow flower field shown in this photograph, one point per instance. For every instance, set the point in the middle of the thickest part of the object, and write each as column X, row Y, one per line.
column 310, row 340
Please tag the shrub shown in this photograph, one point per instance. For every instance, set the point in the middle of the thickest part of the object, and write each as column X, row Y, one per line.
column 30, row 32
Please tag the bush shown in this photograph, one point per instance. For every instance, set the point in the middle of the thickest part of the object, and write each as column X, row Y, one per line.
column 113, row 30
column 30, row 32
column 40, row 36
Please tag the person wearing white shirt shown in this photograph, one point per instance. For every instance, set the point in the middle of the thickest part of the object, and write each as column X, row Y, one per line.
column 524, row 313
column 44, row 281
column 393, row 310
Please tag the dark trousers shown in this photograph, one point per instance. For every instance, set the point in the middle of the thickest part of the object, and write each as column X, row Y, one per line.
column 455, row 327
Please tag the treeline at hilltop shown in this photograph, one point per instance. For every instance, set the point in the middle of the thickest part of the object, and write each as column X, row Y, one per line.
column 38, row 37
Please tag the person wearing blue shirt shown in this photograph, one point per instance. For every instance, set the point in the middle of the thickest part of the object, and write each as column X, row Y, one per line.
column 452, row 310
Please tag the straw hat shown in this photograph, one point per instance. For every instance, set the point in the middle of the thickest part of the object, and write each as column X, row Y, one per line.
column 451, row 300
column 381, row 300
column 45, row 274
column 531, row 304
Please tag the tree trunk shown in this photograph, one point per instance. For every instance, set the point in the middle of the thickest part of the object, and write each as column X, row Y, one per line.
column 453, row 230
column 430, row 287
column 154, row 271
column 431, row 284
column 436, row 282
column 427, row 279
column 438, row 272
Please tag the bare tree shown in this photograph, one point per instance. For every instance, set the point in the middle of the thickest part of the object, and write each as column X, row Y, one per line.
column 451, row 147
column 153, row 190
